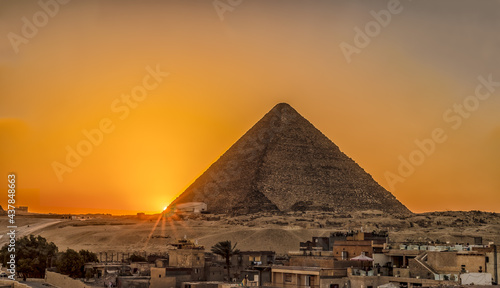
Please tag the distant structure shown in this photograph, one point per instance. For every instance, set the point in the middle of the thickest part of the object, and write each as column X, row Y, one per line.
column 328, row 243
column 283, row 163
column 191, row 207
column 22, row 209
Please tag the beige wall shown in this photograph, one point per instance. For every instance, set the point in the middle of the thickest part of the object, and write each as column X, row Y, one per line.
column 281, row 279
column 353, row 248
column 14, row 284
column 450, row 262
column 375, row 281
column 327, row 283
column 187, row 258
column 159, row 280
column 311, row 261
column 490, row 266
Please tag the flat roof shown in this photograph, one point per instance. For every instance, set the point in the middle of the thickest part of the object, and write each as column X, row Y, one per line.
column 300, row 268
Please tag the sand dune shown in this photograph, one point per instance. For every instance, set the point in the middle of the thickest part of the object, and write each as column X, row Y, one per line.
column 280, row 233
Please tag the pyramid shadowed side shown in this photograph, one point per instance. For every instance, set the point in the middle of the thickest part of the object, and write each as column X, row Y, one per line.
column 229, row 184
column 283, row 163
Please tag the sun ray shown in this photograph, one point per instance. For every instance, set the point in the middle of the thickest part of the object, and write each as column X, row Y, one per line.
column 152, row 231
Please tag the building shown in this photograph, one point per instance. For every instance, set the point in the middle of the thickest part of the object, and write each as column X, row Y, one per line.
column 22, row 209
column 241, row 265
column 345, row 250
column 446, row 265
column 377, row 281
column 202, row 284
column 492, row 260
column 247, row 259
column 327, row 243
column 169, row 277
column 322, row 243
column 313, row 277
column 305, row 258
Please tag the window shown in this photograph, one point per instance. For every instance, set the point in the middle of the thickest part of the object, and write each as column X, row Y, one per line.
column 345, row 255
column 288, row 277
column 254, row 258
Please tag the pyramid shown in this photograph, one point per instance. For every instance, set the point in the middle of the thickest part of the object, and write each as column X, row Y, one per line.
column 283, row 163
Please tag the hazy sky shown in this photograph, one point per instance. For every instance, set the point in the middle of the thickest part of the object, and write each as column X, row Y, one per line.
column 66, row 69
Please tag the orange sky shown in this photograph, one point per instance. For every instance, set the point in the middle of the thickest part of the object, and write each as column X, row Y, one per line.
column 224, row 74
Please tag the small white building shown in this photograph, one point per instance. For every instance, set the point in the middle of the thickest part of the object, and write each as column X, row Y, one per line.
column 191, row 207
column 476, row 279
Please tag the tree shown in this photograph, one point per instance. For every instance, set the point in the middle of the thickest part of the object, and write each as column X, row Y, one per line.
column 33, row 255
column 226, row 251
column 70, row 263
column 88, row 256
column 137, row 258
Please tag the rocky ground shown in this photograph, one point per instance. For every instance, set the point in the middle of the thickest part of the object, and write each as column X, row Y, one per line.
column 281, row 233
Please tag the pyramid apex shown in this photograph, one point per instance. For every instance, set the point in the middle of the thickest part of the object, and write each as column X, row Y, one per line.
column 281, row 106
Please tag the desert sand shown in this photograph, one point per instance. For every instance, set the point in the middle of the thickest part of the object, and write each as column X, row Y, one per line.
column 280, row 233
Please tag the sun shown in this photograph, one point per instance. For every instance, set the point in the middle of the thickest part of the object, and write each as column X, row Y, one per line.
column 164, row 208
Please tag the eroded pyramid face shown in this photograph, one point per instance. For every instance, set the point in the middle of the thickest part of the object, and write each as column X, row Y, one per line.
column 283, row 163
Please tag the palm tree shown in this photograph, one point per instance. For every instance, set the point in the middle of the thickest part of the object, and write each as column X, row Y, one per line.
column 226, row 251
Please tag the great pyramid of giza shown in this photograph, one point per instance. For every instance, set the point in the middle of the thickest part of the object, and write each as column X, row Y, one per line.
column 283, row 163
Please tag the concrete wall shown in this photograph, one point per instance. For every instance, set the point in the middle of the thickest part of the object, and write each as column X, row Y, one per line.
column 490, row 266
column 381, row 259
column 281, row 279
column 63, row 281
column 375, row 281
column 401, row 272
column 353, row 248
column 327, row 283
column 418, row 270
column 311, row 261
column 215, row 273
column 160, row 280
column 451, row 262
column 187, row 258
column 475, row 279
